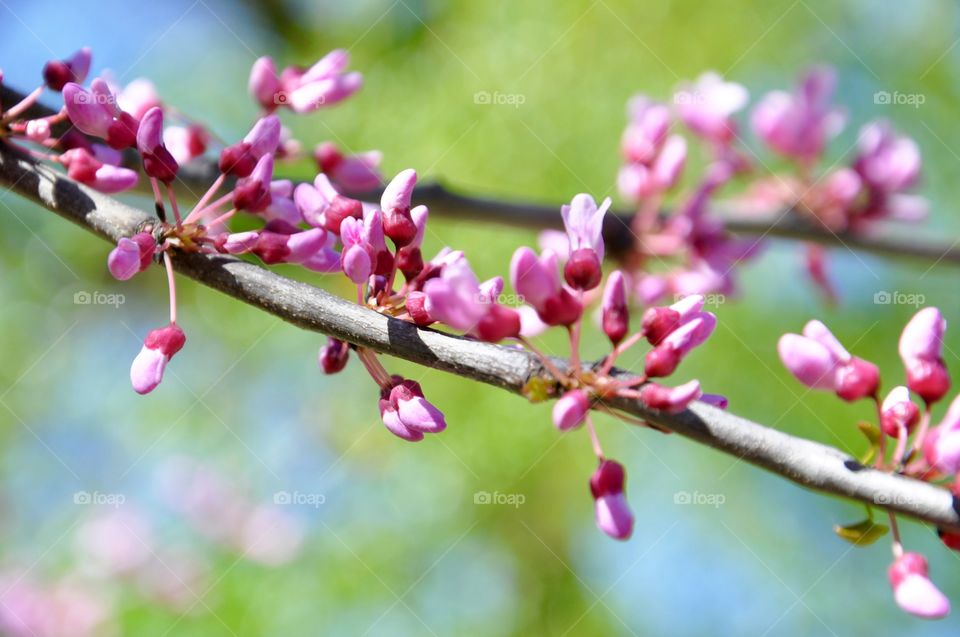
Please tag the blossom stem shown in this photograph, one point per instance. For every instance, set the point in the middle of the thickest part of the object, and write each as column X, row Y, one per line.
column 158, row 200
column 922, row 430
column 896, row 546
column 173, row 204
column 14, row 111
column 207, row 196
column 198, row 213
column 619, row 349
column 594, row 439
column 901, row 447
column 881, row 458
column 171, row 285
column 373, row 367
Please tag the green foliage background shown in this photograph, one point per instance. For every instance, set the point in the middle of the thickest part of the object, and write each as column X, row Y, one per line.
column 399, row 520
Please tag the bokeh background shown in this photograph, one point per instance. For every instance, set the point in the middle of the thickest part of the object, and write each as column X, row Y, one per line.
column 158, row 515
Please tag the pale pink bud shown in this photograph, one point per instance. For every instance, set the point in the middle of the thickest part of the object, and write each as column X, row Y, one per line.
column 670, row 399
column 941, row 448
column 898, row 412
column 615, row 313
column 570, row 410
column 607, row 485
column 161, row 344
column 912, row 589
column 264, row 83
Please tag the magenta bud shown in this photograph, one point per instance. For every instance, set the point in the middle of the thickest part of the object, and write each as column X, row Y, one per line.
column 615, row 314
column 857, row 379
column 670, row 399
column 562, row 308
column 497, row 324
column 417, row 308
column 582, row 270
column 333, row 356
column 658, row 323
column 570, row 410
column 161, row 344
column 613, row 515
column 898, row 412
column 661, row 361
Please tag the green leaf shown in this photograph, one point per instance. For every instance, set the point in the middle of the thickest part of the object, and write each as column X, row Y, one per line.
column 872, row 434
column 862, row 533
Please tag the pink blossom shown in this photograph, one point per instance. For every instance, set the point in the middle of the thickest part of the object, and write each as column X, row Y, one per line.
column 87, row 169
column 607, row 484
column 898, row 412
column 456, row 299
column 570, row 409
column 158, row 163
column 583, row 221
column 131, row 256
column 406, row 412
column 186, row 143
column 920, row 347
column 241, row 158
column 95, row 112
column 614, row 311
column 323, row 84
column 395, row 204
column 819, row 361
column 941, row 447
column 888, row 162
column 670, row 399
column 707, row 106
column 138, row 97
column 913, row 590
column 321, row 205
column 647, row 130
column 56, row 73
column 161, row 344
column 333, row 356
column 357, row 256
column 354, row 173
column 253, row 193
column 800, row 124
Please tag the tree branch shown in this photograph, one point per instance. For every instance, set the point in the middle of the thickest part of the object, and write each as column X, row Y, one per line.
column 197, row 176
column 804, row 462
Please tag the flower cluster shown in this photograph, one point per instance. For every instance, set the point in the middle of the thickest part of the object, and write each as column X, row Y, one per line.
column 902, row 440
column 689, row 251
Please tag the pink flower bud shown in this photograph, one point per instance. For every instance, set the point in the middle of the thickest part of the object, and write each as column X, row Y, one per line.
column 570, row 410
column 615, row 314
column 56, row 73
column 253, row 193
column 157, row 160
column 415, row 412
column 607, row 485
column 535, row 279
column 161, row 344
column 857, row 379
column 357, row 262
column 941, row 447
column 38, row 130
column 670, row 399
column 86, row 169
column 186, row 143
column 264, row 83
column 809, row 361
column 707, row 106
column 582, row 271
column 912, row 589
column 563, row 308
column 131, row 256
column 395, row 203
column 333, row 356
column 718, row 401
column 354, row 173
column 898, row 411
column 920, row 347
column 417, row 308
column 240, row 242
column 497, row 324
